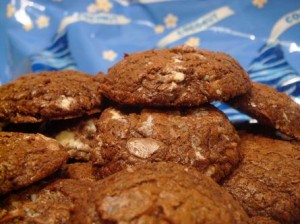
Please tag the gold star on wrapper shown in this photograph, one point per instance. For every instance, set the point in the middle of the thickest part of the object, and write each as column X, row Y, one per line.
column 259, row 3
column 171, row 21
column 28, row 26
column 109, row 55
column 92, row 8
column 10, row 10
column 159, row 29
column 42, row 22
column 104, row 5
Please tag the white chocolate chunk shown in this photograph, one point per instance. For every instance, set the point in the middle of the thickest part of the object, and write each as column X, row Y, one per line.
column 65, row 102
column 67, row 139
column 199, row 155
column 178, row 76
column 147, row 126
column 219, row 92
column 115, row 115
column 142, row 147
column 90, row 126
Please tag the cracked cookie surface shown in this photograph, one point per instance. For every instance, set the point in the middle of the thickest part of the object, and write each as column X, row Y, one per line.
column 267, row 180
column 271, row 108
column 200, row 137
column 62, row 201
column 27, row 158
column 163, row 193
column 51, row 95
column 179, row 76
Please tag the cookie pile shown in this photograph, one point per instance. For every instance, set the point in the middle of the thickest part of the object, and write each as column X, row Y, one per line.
column 143, row 144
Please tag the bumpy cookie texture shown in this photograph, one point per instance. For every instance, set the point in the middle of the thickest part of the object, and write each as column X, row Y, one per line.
column 64, row 201
column 27, row 158
column 267, row 181
column 179, row 76
column 50, row 96
column 78, row 136
column 79, row 171
column 163, row 193
column 200, row 137
column 271, row 108
column 262, row 220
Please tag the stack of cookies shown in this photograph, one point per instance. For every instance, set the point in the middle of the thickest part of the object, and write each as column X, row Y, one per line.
column 143, row 144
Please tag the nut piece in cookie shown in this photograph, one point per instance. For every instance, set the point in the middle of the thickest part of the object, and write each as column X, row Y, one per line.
column 267, row 181
column 179, row 76
column 50, row 96
column 200, row 137
column 27, row 158
column 270, row 108
column 163, row 193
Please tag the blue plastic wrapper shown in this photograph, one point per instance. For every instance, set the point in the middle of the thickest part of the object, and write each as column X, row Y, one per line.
column 92, row 35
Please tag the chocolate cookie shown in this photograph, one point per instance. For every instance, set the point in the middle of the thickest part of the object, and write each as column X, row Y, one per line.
column 270, row 108
column 64, row 201
column 179, row 76
column 27, row 158
column 50, row 96
column 163, row 193
column 262, row 220
column 78, row 136
column 267, row 181
column 79, row 171
column 200, row 137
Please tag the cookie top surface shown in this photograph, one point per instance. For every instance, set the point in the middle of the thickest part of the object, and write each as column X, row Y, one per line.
column 164, row 193
column 27, row 158
column 179, row 76
column 271, row 108
column 64, row 201
column 201, row 137
column 50, row 96
column 267, row 181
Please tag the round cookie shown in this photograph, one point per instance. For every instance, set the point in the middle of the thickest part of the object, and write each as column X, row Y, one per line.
column 163, row 193
column 179, row 76
column 200, row 137
column 267, row 181
column 50, row 95
column 27, row 158
column 270, row 108
column 64, row 201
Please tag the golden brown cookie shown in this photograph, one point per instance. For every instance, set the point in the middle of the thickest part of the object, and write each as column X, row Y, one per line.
column 50, row 96
column 267, row 181
column 200, row 137
column 27, row 158
column 163, row 193
column 270, row 108
column 179, row 76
